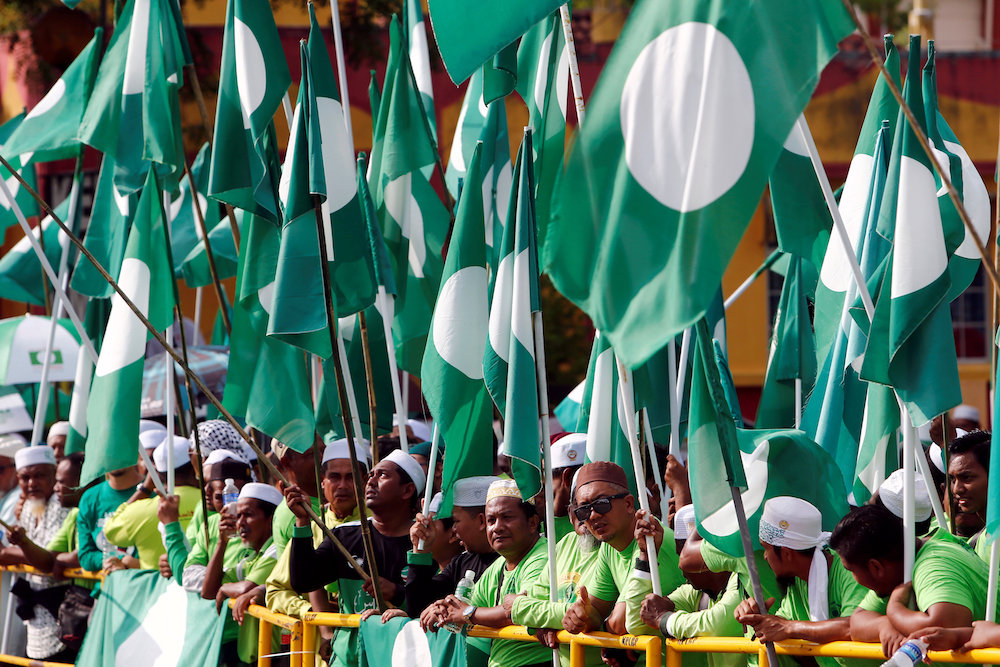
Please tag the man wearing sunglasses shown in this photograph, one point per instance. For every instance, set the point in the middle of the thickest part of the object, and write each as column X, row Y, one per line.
column 603, row 502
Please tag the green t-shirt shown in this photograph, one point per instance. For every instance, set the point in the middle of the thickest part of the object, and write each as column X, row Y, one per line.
column 495, row 583
column 136, row 524
column 534, row 610
column 201, row 551
column 252, row 566
column 844, row 594
column 607, row 579
column 943, row 571
column 283, row 521
column 698, row 615
column 97, row 505
column 564, row 526
column 66, row 541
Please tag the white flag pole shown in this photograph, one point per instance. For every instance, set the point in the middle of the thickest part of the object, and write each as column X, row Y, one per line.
column 429, row 485
column 651, row 449
column 169, row 403
column 386, row 308
column 675, row 409
column 991, row 591
column 197, row 310
column 574, row 67
column 338, row 44
column 351, row 399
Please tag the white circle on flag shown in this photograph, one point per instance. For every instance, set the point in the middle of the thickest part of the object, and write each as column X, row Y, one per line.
column 835, row 274
column 795, row 143
column 411, row 647
column 338, row 155
column 460, row 321
column 918, row 255
column 50, row 100
column 125, row 337
column 251, row 70
column 723, row 521
column 687, row 116
column 976, row 200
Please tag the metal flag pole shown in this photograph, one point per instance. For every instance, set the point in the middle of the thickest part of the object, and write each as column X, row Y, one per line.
column 745, row 285
column 429, row 484
column 386, row 307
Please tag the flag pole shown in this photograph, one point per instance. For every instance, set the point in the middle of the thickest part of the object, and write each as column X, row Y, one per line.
column 991, row 591
column 220, row 291
column 432, row 462
column 574, row 67
column 168, row 399
column 909, row 524
column 675, row 408
column 651, row 448
column 340, row 371
column 683, row 369
column 197, row 309
column 925, row 472
column 370, row 377
column 745, row 285
column 385, row 307
column 338, row 47
column 627, row 391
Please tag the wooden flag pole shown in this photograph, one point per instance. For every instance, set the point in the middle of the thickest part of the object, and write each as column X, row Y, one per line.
column 370, row 381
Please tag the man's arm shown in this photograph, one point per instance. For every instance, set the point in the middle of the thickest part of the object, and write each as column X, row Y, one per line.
column 770, row 628
column 940, row 614
column 872, row 627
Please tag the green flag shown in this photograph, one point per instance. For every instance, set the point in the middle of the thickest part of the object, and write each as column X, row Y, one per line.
column 145, row 276
column 402, row 641
column 414, row 221
column 261, row 367
column 420, row 58
column 911, row 346
column 21, row 272
column 471, row 119
column 49, row 130
column 651, row 220
column 993, row 501
column 134, row 111
column 194, row 265
column 25, row 166
column 792, row 357
column 452, row 370
column 185, row 232
column 95, row 321
column 498, row 176
column 253, row 78
column 469, row 34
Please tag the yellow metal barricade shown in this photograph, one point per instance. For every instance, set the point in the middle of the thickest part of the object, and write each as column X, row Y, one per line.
column 268, row 619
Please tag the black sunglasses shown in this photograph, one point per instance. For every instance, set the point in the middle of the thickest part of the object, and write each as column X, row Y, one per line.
column 601, row 506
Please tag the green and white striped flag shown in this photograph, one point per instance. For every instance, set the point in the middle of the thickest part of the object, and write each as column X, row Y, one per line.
column 95, row 322
column 107, row 233
column 420, row 58
column 509, row 361
column 452, row 370
column 25, row 166
column 471, row 119
column 145, row 277
column 134, row 112
column 253, row 78
column 20, row 270
column 185, row 233
column 652, row 221
column 49, row 129
column 911, row 346
column 964, row 263
column 414, row 221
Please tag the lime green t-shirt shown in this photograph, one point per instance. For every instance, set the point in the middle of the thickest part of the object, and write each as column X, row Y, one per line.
column 136, row 525
column 607, row 578
column 283, row 521
column 254, row 566
column 943, row 571
column 201, row 551
column 495, row 583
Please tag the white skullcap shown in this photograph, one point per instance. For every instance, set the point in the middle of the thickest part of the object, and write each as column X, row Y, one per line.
column 219, row 455
column 471, row 491
column 34, row 456
column 966, row 412
column 503, row 488
column 248, row 453
column 181, row 448
column 11, row 443
column 409, row 466
column 338, row 449
column 924, row 433
column 150, row 425
column 59, row 428
column 262, row 492
column 420, row 430
column 568, row 451
column 684, row 522
column 151, row 439
column 891, row 495
column 797, row 524
column 936, row 455
column 435, row 503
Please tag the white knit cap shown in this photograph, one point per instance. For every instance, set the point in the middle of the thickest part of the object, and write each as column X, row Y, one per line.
column 34, row 456
column 181, row 448
column 503, row 488
column 797, row 524
column 219, row 455
column 435, row 504
column 151, row 439
column 59, row 428
column 11, row 443
column 569, row 451
column 891, row 495
column 262, row 492
column 684, row 522
column 339, row 449
column 409, row 466
column 936, row 455
column 966, row 412
column 150, row 425
column 471, row 491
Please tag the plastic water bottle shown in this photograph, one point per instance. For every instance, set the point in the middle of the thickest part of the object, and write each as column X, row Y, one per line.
column 230, row 493
column 910, row 654
column 463, row 592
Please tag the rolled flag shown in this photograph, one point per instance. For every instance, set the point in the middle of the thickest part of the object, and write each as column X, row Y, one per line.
column 25, row 167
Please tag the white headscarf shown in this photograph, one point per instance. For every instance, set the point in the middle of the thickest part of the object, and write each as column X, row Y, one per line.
column 797, row 524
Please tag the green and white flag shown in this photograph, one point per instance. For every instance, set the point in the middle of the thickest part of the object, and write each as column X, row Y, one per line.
column 878, row 454
column 498, row 177
column 261, row 367
column 652, row 220
column 352, row 276
column 420, row 58
column 911, row 346
column 253, row 78
column 185, row 232
column 49, row 129
column 25, row 166
column 134, row 111
column 542, row 82
column 835, row 277
column 401, row 641
column 143, row 618
column 762, row 464
column 964, row 263
column 471, row 119
column 95, row 321
column 452, row 370
column 792, row 357
column 107, row 232
column 194, row 266
column 299, row 315
column 414, row 221
column 20, row 270
column 469, row 34
column 509, row 361
column 145, row 277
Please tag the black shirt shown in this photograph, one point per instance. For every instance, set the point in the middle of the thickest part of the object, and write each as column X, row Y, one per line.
column 423, row 586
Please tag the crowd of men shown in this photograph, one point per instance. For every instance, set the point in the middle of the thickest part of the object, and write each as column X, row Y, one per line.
column 263, row 548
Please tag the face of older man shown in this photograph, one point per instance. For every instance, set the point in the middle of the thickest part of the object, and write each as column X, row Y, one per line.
column 611, row 511
column 37, row 481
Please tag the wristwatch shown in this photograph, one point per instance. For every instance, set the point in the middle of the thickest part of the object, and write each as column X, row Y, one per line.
column 141, row 488
column 468, row 612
